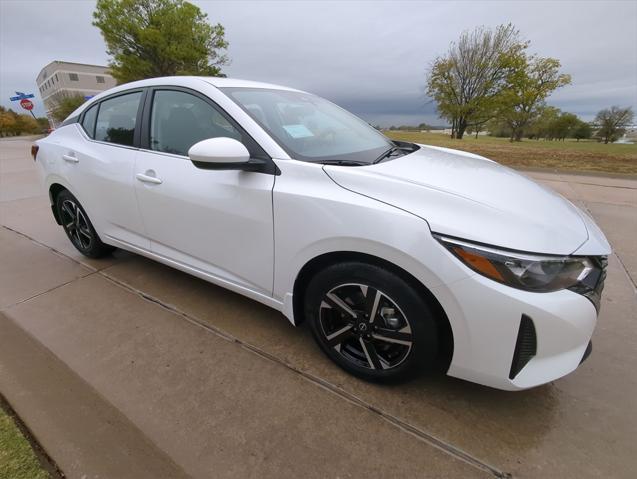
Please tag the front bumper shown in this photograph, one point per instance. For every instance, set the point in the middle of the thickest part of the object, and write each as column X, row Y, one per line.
column 551, row 331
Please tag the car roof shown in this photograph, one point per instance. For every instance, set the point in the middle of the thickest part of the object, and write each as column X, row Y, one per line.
column 183, row 81
column 238, row 83
column 193, row 80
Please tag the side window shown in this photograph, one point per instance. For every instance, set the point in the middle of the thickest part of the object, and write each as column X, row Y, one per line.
column 116, row 119
column 88, row 123
column 178, row 120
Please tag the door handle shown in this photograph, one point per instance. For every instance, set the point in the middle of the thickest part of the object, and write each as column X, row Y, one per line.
column 70, row 158
column 148, row 179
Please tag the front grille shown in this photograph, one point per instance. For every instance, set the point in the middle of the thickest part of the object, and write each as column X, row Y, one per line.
column 593, row 284
column 525, row 346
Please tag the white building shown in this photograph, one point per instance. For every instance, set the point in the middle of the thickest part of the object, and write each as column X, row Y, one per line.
column 59, row 79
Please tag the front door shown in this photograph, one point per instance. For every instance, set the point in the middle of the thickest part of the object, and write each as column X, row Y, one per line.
column 218, row 222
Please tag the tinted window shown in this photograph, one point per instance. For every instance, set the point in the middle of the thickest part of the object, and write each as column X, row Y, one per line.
column 88, row 123
column 116, row 119
column 179, row 120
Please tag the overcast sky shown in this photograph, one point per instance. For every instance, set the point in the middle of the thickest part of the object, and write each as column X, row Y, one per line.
column 368, row 56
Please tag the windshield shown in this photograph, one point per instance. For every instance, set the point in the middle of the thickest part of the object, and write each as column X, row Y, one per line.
column 310, row 128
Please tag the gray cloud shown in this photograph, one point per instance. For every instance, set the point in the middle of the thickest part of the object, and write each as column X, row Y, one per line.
column 369, row 57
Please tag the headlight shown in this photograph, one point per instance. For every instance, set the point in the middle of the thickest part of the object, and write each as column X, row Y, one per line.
column 520, row 270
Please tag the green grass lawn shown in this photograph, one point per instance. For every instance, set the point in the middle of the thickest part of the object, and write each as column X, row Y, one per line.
column 570, row 155
column 17, row 459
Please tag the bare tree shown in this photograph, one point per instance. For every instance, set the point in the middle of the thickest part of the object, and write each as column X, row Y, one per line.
column 612, row 122
column 466, row 82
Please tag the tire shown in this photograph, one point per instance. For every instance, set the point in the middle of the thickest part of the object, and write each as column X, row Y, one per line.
column 371, row 322
column 78, row 226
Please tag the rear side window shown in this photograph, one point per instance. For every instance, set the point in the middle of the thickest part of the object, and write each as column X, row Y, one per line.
column 116, row 119
column 178, row 120
column 88, row 123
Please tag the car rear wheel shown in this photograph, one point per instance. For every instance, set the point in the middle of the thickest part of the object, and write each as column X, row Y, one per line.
column 78, row 226
column 371, row 322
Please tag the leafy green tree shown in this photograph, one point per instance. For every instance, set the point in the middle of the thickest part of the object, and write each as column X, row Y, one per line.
column 26, row 124
column 153, row 38
column 564, row 125
column 498, row 128
column 583, row 131
column 66, row 105
column 612, row 122
column 541, row 127
column 12, row 123
column 7, row 122
column 466, row 83
column 530, row 81
column 43, row 123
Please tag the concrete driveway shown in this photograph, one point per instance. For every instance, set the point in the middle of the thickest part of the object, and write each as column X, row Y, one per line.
column 123, row 367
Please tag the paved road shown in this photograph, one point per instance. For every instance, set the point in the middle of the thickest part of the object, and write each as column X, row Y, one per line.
column 123, row 367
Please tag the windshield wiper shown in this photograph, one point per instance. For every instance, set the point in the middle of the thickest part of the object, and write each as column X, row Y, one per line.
column 387, row 154
column 343, row 163
column 402, row 147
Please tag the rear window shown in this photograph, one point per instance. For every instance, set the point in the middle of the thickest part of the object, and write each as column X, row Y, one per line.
column 116, row 119
column 88, row 123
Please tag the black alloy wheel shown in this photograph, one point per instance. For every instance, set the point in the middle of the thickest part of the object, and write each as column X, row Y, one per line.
column 371, row 322
column 78, row 226
column 365, row 326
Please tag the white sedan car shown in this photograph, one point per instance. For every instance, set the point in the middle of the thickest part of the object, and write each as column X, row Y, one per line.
column 400, row 257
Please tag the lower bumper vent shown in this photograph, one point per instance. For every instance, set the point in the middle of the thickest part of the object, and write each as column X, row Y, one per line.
column 525, row 346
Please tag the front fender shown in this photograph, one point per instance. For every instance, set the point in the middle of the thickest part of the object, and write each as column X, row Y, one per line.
column 315, row 216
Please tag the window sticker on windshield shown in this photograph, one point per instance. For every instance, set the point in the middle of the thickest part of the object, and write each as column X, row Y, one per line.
column 298, row 131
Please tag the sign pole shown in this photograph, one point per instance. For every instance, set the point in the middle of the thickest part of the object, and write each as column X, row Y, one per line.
column 25, row 103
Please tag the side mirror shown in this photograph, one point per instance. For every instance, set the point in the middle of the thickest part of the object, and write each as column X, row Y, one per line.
column 219, row 154
column 228, row 154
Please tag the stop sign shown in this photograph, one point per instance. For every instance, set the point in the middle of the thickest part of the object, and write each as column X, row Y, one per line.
column 26, row 104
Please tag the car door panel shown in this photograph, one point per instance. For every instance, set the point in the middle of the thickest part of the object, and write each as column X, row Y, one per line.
column 101, row 176
column 217, row 221
column 99, row 161
column 112, row 177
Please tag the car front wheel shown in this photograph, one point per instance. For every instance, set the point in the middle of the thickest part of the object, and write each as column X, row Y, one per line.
column 371, row 322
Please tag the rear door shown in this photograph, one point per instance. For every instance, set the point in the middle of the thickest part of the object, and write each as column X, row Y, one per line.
column 218, row 222
column 99, row 167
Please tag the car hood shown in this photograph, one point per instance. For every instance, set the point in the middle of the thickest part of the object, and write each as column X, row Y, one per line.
column 467, row 196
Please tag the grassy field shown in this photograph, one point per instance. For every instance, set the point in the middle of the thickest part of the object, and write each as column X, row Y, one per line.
column 570, row 155
column 17, row 459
